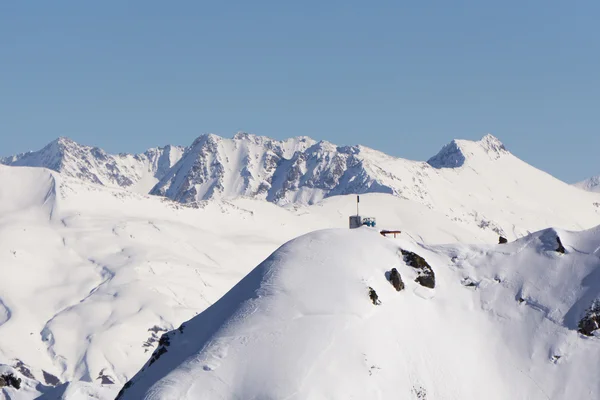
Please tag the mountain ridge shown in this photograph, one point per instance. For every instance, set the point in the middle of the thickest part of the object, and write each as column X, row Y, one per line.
column 467, row 181
column 136, row 172
column 591, row 184
column 293, row 170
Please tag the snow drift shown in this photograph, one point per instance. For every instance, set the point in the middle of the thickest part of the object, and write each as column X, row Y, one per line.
column 500, row 323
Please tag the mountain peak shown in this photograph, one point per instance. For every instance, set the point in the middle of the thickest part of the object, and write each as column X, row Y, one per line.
column 210, row 138
column 457, row 152
column 492, row 144
column 94, row 165
column 241, row 135
column 592, row 184
column 64, row 140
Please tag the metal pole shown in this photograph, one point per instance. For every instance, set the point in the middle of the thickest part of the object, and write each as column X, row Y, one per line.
column 357, row 201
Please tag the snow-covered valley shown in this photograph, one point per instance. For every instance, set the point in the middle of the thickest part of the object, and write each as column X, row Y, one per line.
column 95, row 271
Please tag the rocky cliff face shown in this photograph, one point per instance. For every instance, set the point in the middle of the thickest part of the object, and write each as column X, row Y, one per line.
column 138, row 172
column 290, row 171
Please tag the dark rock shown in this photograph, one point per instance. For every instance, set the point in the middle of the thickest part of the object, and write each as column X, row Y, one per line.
column 9, row 380
column 561, row 249
column 468, row 282
column 396, row 280
column 163, row 343
column 164, row 340
column 23, row 369
column 502, row 240
column 122, row 391
column 154, row 338
column 426, row 276
column 591, row 320
column 156, row 355
column 50, row 379
column 373, row 296
column 419, row 392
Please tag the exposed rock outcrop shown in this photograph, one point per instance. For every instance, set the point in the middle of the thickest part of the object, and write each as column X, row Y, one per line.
column 591, row 320
column 374, row 297
column 10, row 380
column 426, row 276
column 396, row 280
column 560, row 249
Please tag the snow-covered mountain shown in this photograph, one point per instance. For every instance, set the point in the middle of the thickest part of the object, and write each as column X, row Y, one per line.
column 319, row 319
column 300, row 170
column 139, row 172
column 247, row 165
column 468, row 181
column 93, row 274
column 592, row 184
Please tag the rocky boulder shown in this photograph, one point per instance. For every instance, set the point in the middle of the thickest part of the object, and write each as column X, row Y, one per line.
column 426, row 276
column 396, row 280
column 10, row 380
column 591, row 320
column 561, row 249
column 374, row 297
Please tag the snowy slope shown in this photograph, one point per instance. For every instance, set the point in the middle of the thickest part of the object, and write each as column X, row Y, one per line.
column 592, row 184
column 470, row 182
column 499, row 324
column 138, row 172
column 92, row 276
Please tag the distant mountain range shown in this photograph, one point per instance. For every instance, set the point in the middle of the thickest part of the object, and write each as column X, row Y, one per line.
column 101, row 254
column 469, row 181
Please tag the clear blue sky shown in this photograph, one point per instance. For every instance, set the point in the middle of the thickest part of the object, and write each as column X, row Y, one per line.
column 402, row 77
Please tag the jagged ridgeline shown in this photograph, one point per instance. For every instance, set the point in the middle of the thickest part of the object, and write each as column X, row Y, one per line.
column 303, row 171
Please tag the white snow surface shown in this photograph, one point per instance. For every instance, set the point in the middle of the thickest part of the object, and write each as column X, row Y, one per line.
column 301, row 325
column 92, row 276
column 467, row 181
column 94, row 273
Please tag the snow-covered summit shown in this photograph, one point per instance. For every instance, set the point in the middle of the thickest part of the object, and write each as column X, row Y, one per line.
column 591, row 185
column 301, row 170
column 497, row 191
column 137, row 172
column 215, row 167
column 455, row 153
column 500, row 323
